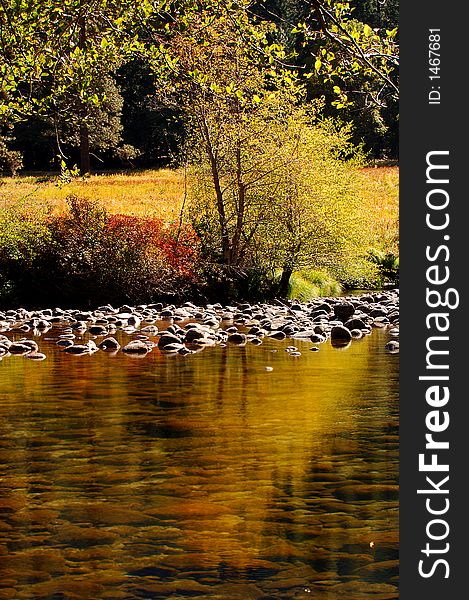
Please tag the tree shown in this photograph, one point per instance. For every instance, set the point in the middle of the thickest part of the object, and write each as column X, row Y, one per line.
column 104, row 127
column 150, row 125
column 349, row 53
column 235, row 91
column 10, row 159
column 56, row 57
column 347, row 47
column 317, row 219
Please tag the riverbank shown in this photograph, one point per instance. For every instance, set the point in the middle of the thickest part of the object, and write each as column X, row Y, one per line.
column 129, row 238
column 189, row 328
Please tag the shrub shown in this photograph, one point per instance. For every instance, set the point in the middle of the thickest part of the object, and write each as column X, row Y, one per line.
column 11, row 161
column 23, row 240
column 87, row 256
column 305, row 285
column 387, row 264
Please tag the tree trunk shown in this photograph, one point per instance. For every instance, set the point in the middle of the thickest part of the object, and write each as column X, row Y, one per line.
column 225, row 239
column 240, row 209
column 85, row 165
column 284, row 281
column 84, row 132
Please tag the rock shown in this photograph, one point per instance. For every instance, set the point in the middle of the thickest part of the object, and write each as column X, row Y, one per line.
column 35, row 356
column 277, row 335
column 344, row 310
column 321, row 328
column 78, row 349
column 136, row 347
column 92, row 346
column 134, row 320
column 378, row 312
column 174, row 347
column 183, row 351
column 79, row 326
column 380, row 322
column 19, row 348
column 237, row 338
column 317, row 339
column 303, row 334
column 109, row 344
column 150, row 330
column 193, row 334
column 255, row 330
column 97, row 330
column 355, row 324
column 340, row 334
column 392, row 346
column 64, row 343
column 31, row 343
column 324, row 306
column 168, row 338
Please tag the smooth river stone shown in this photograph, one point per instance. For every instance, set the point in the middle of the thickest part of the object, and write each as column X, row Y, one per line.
column 82, row 537
column 360, row 590
column 69, row 587
column 50, row 561
column 368, row 492
column 41, row 516
column 163, row 589
column 105, row 514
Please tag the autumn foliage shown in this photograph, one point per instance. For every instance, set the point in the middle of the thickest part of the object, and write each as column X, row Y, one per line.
column 87, row 255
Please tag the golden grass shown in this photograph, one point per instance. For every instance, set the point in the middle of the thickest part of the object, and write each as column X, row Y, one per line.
column 380, row 191
column 160, row 193
column 157, row 193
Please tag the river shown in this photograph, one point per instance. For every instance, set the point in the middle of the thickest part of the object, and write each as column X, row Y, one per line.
column 201, row 476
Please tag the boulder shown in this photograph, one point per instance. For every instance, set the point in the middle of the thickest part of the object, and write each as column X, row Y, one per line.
column 340, row 334
column 343, row 311
column 277, row 335
column 109, row 345
column 136, row 347
column 392, row 346
column 168, row 338
column 237, row 338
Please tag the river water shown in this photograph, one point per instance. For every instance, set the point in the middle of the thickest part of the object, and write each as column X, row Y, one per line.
column 204, row 476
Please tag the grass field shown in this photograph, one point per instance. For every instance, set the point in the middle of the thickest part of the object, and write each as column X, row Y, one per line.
column 153, row 193
column 381, row 195
column 160, row 193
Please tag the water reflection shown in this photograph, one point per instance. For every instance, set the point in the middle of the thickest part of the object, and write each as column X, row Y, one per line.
column 200, row 476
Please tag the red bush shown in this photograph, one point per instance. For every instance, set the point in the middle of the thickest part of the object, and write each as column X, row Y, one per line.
column 177, row 246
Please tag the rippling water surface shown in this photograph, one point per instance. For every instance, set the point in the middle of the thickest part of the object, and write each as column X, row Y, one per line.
column 202, row 476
